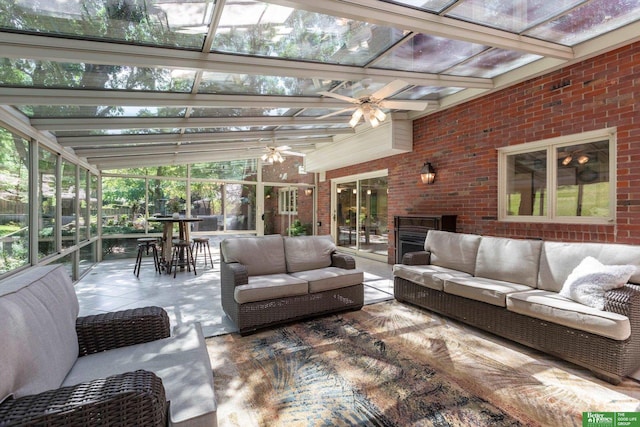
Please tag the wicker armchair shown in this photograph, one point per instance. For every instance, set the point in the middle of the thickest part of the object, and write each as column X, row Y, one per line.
column 132, row 398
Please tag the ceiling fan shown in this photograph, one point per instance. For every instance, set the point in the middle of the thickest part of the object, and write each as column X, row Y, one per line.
column 370, row 106
column 275, row 154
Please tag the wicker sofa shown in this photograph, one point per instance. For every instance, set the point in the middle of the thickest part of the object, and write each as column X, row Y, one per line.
column 512, row 287
column 120, row 368
column 268, row 280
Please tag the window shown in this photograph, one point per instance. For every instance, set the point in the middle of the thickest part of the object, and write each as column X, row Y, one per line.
column 288, row 201
column 566, row 179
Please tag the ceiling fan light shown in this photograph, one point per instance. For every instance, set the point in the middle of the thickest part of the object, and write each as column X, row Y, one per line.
column 355, row 118
column 374, row 122
column 264, row 157
column 380, row 115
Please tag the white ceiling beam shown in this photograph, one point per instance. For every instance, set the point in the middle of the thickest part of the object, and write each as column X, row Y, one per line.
column 114, row 140
column 83, row 51
column 70, row 124
column 174, row 159
column 402, row 17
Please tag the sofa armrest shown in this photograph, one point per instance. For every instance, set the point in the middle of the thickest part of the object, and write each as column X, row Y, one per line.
column 625, row 301
column 233, row 274
column 116, row 400
column 343, row 261
column 416, row 258
column 106, row 331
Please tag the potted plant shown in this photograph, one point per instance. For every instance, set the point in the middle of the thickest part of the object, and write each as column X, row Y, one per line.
column 173, row 206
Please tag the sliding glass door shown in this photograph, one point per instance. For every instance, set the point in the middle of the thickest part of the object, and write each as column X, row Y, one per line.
column 360, row 221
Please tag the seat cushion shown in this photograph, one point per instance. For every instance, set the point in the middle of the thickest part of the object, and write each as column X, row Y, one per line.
column 181, row 361
column 270, row 286
column 429, row 276
column 261, row 255
column 509, row 260
column 308, row 252
column 38, row 335
column 552, row 307
column 483, row 289
column 456, row 251
column 325, row 279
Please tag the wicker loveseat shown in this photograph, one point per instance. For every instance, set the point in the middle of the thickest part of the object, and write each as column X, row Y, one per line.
column 122, row 368
column 268, row 280
column 512, row 287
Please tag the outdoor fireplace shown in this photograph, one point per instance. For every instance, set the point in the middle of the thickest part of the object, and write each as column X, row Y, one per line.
column 411, row 231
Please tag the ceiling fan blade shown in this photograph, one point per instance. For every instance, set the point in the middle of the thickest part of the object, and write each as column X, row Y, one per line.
column 335, row 113
column 293, row 153
column 283, row 147
column 389, row 89
column 404, row 105
column 340, row 97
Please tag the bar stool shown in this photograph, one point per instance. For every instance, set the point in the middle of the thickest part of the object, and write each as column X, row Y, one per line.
column 144, row 245
column 182, row 256
column 201, row 244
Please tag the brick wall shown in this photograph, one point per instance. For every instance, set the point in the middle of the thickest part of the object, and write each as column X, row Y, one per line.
column 461, row 144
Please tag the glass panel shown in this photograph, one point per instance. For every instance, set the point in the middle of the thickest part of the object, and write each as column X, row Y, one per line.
column 234, row 83
column 83, row 199
column 93, row 206
column 69, row 201
column 588, row 21
column 101, row 132
column 240, row 206
column 87, row 257
column 257, row 28
column 347, row 214
column 428, row 5
column 429, row 54
column 49, row 74
column 373, row 235
column 427, row 92
column 239, row 170
column 123, row 205
column 47, row 165
column 150, row 22
column 167, row 197
column 242, row 112
column 527, row 184
column 69, row 111
column 206, row 203
column 493, row 63
column 513, row 16
column 583, row 180
column 14, row 201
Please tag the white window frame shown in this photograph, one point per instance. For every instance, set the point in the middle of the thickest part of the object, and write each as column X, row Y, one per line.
column 288, row 201
column 551, row 145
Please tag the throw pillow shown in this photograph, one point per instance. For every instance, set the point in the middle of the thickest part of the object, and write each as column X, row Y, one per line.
column 591, row 279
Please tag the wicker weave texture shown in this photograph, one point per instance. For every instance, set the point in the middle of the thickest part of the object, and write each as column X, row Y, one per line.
column 610, row 359
column 121, row 328
column 130, row 399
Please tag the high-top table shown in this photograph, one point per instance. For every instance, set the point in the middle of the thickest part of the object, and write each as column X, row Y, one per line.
column 167, row 235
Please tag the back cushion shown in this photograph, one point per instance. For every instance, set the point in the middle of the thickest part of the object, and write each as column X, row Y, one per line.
column 558, row 259
column 453, row 250
column 38, row 331
column 308, row 252
column 261, row 255
column 509, row 260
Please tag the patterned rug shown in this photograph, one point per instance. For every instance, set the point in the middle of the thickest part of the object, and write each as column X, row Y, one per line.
column 390, row 364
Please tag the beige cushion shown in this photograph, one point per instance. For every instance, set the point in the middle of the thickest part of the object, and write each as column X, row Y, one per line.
column 509, row 260
column 482, row 289
column 181, row 361
column 270, row 286
column 261, row 255
column 551, row 307
column 429, row 276
column 456, row 251
column 558, row 259
column 38, row 311
column 308, row 252
column 325, row 279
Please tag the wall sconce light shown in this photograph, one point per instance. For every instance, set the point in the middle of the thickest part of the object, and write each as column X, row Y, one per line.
column 308, row 191
column 427, row 174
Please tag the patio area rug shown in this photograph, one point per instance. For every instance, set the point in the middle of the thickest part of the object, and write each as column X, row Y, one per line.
column 390, row 364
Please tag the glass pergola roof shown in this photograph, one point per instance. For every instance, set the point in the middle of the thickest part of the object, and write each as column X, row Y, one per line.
column 114, row 79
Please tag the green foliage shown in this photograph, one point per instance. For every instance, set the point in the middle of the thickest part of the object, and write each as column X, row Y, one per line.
column 298, row 229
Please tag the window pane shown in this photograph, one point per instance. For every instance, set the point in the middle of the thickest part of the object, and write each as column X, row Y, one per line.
column 47, row 202
column 123, row 205
column 83, row 199
column 14, row 201
column 206, row 203
column 526, row 184
column 583, row 180
column 69, row 220
column 240, row 170
column 240, row 206
column 87, row 258
column 93, row 206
